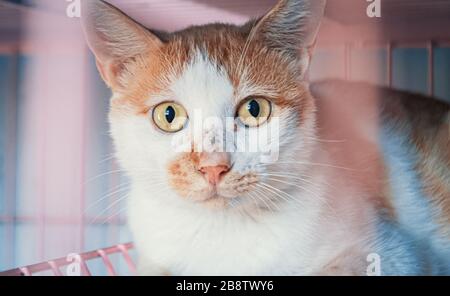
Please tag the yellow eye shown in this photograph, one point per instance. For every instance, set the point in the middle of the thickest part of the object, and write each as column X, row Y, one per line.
column 254, row 111
column 170, row 117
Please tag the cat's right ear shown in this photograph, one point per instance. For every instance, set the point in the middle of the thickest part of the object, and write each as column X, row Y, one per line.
column 115, row 39
column 290, row 28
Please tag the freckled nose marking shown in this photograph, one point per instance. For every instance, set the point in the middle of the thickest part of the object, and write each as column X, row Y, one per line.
column 213, row 174
column 213, row 166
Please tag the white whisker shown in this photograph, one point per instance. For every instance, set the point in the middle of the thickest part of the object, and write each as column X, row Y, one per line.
column 295, row 185
column 274, row 190
column 263, row 197
column 259, row 188
column 310, row 163
column 118, row 189
column 94, row 220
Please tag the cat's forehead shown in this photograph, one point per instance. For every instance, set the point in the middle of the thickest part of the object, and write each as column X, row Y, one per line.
column 222, row 44
column 230, row 53
column 203, row 85
column 214, row 65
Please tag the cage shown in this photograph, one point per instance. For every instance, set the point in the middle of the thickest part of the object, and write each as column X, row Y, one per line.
column 61, row 191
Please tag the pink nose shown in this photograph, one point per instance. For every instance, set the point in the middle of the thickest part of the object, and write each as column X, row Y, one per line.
column 214, row 173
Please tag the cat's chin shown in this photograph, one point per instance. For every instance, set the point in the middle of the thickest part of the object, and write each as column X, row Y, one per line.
column 216, row 202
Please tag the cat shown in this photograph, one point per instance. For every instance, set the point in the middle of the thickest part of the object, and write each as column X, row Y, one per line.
column 360, row 183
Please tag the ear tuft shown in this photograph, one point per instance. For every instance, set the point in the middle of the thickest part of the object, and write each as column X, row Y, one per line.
column 292, row 25
column 114, row 38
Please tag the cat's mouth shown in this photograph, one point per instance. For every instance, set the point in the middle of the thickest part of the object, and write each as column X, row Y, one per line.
column 216, row 201
column 225, row 196
column 212, row 185
column 214, row 194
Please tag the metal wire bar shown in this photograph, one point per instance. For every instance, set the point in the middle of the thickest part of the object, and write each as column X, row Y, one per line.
column 54, row 268
column 347, row 61
column 55, row 265
column 430, row 48
column 128, row 259
column 389, row 64
column 107, row 262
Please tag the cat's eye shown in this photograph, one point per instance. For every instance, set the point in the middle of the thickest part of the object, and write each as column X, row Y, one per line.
column 170, row 117
column 254, row 111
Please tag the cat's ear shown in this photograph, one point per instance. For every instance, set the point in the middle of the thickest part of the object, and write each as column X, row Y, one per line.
column 291, row 27
column 115, row 39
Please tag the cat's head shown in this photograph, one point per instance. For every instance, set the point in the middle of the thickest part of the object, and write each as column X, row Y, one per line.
column 186, row 105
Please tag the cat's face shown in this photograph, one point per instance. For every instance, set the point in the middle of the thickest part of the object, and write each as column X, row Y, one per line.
column 188, row 106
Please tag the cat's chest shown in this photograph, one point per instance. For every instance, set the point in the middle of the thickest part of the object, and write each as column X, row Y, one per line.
column 220, row 245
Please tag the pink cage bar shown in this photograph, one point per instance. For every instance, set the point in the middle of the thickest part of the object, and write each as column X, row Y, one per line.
column 55, row 266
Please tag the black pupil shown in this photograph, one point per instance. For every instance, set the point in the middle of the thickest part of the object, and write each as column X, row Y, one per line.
column 253, row 108
column 170, row 114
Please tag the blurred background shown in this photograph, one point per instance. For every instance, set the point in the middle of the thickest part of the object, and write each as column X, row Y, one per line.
column 60, row 189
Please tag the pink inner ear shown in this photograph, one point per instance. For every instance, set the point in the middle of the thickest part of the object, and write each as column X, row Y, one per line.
column 102, row 71
column 114, row 38
column 110, row 72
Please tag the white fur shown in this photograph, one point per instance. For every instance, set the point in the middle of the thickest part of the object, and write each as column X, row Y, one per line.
column 179, row 237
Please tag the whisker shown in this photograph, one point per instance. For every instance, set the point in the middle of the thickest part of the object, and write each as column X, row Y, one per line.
column 265, row 196
column 94, row 220
column 314, row 194
column 104, row 174
column 119, row 200
column 108, row 219
column 142, row 170
column 293, row 177
column 107, row 157
column 254, row 200
column 324, row 140
column 118, row 189
column 310, row 163
column 274, row 191
column 295, row 185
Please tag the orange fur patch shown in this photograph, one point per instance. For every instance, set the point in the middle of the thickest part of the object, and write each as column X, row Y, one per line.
column 188, row 182
column 225, row 45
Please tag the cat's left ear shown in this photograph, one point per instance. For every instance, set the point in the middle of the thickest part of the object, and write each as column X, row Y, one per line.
column 291, row 28
column 116, row 40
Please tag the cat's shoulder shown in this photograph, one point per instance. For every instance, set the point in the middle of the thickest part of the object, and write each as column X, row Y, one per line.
column 413, row 135
column 400, row 108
